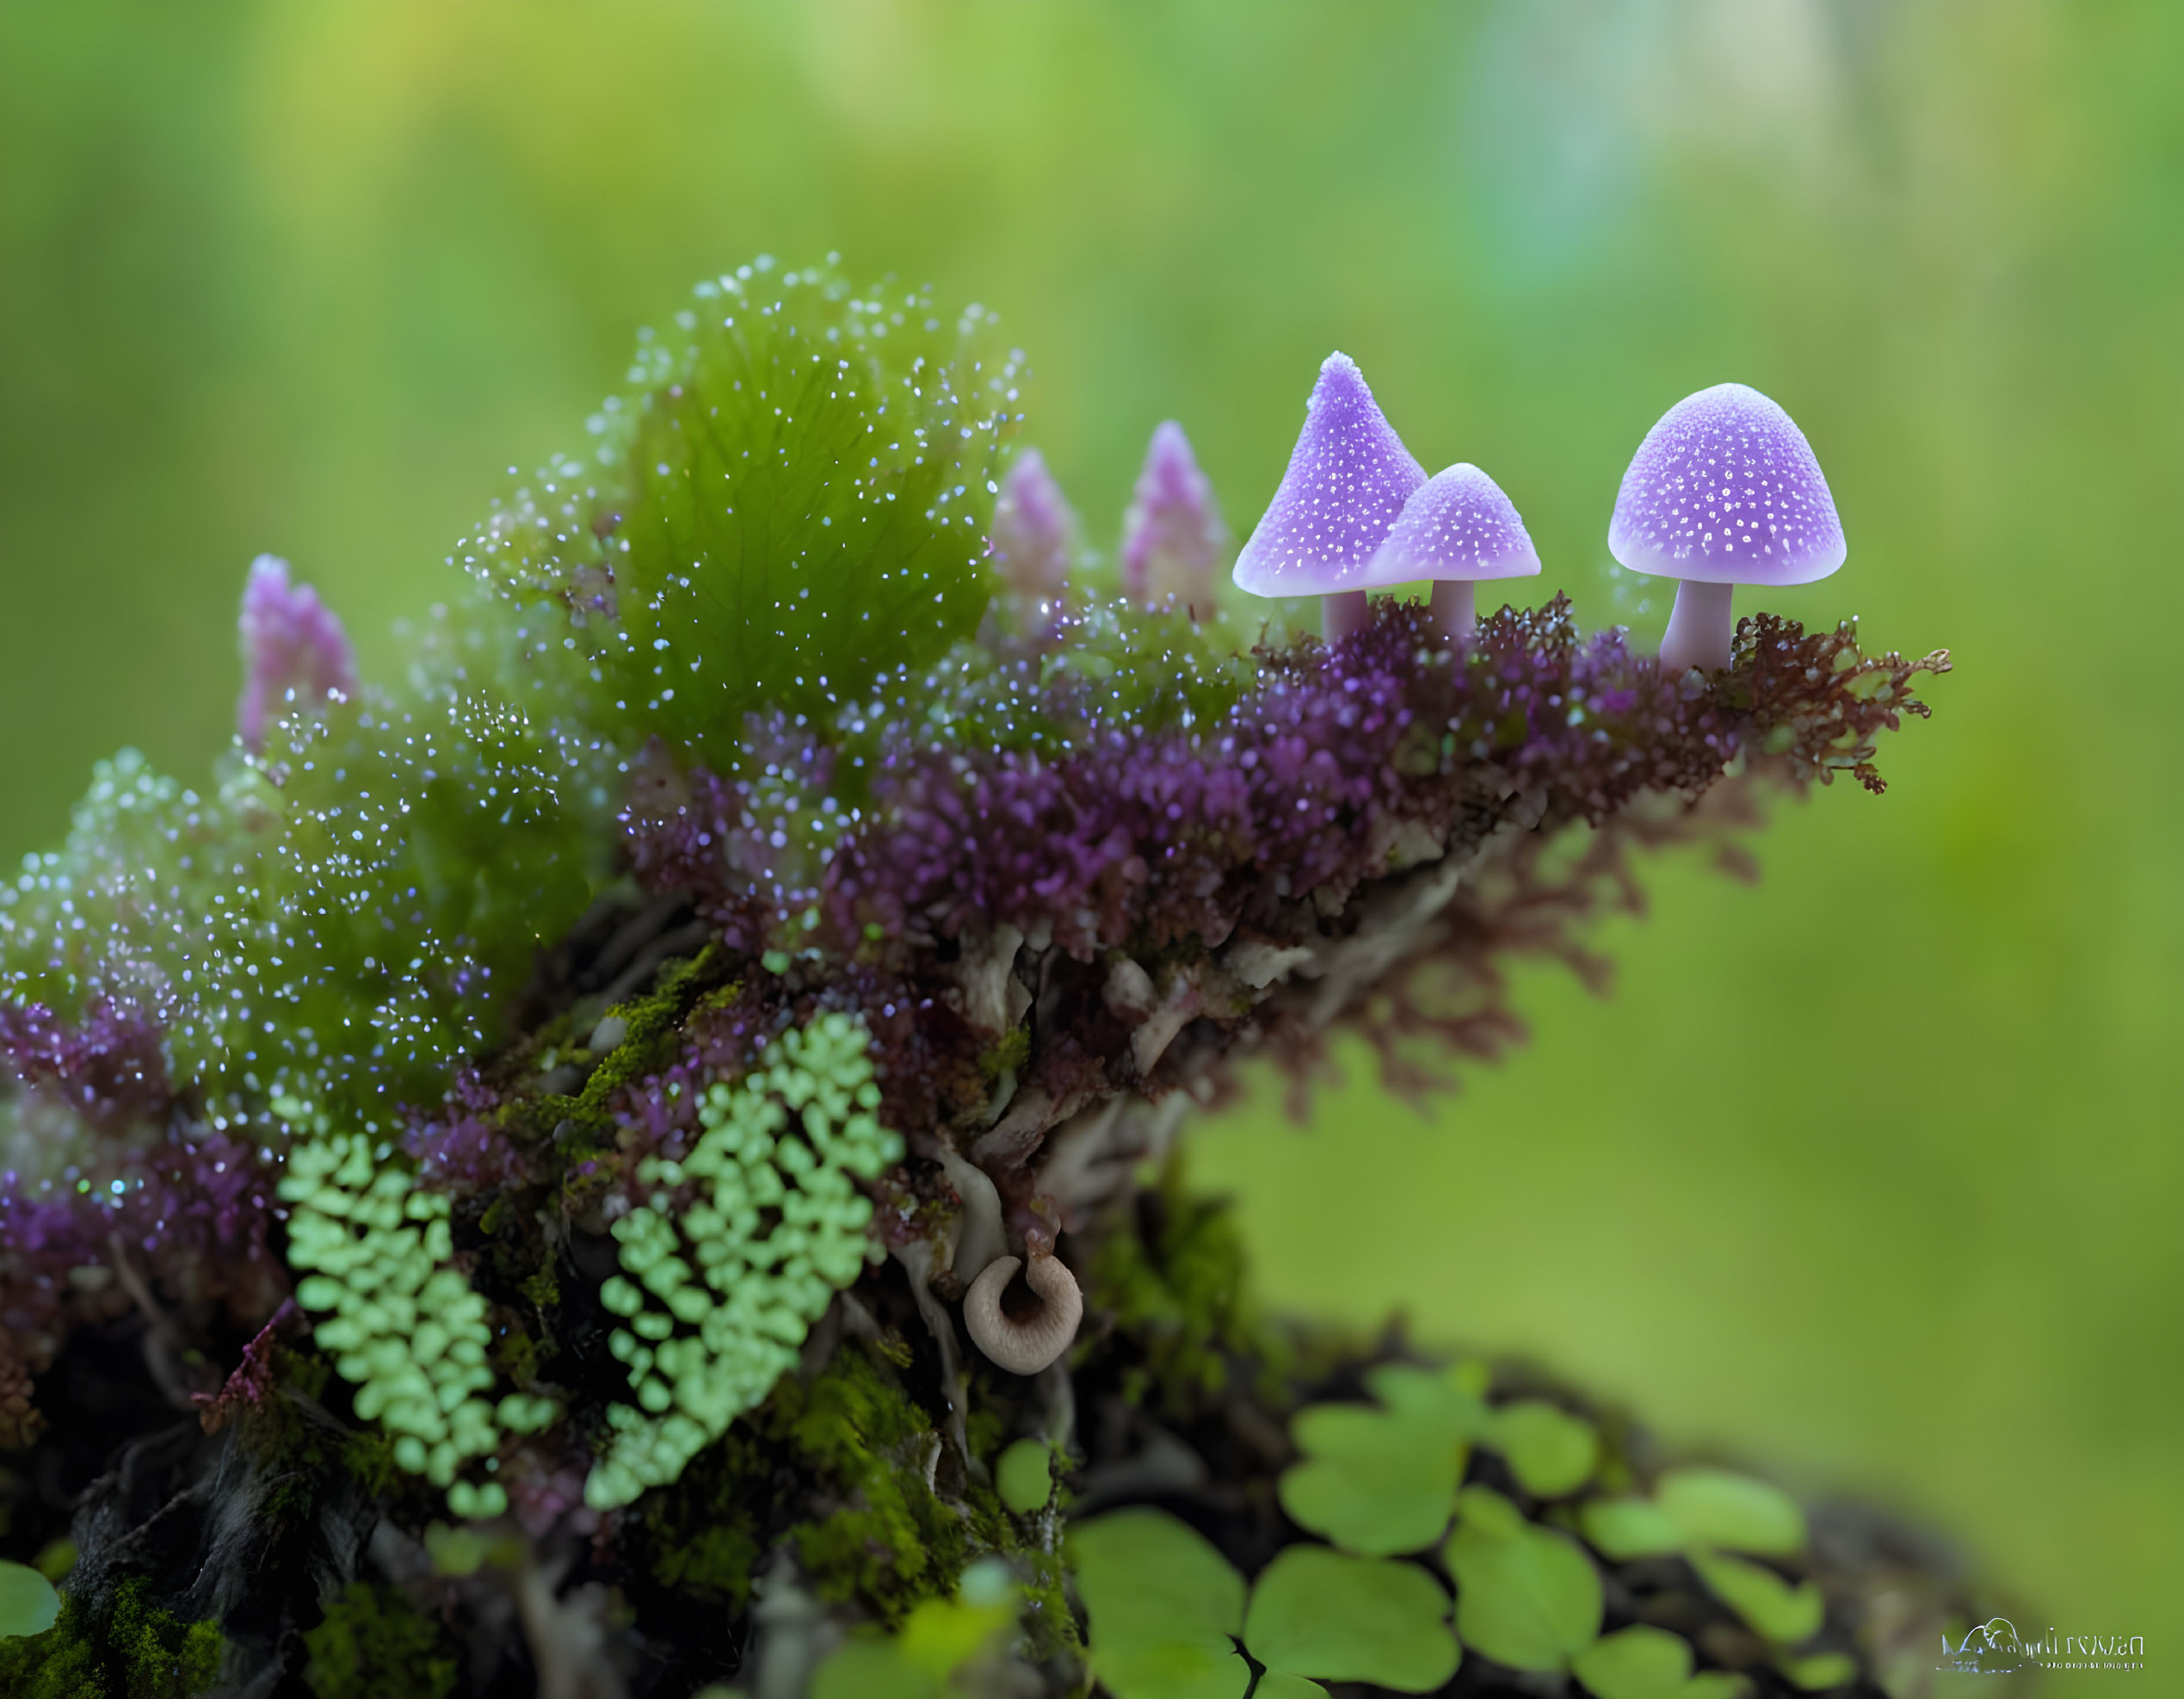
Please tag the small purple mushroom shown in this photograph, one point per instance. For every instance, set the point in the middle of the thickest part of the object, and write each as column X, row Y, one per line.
column 1458, row 529
column 1174, row 539
column 1033, row 530
column 1723, row 491
column 1348, row 478
column 291, row 642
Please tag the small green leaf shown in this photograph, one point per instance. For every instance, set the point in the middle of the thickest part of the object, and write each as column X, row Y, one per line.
column 1328, row 1614
column 28, row 1601
column 1623, row 1529
column 1715, row 1508
column 1164, row 1608
column 1777, row 1611
column 1818, row 1674
column 1526, row 1596
column 871, row 1669
column 1280, row 1685
column 1025, row 1476
column 1716, row 1684
column 1448, row 1399
column 1376, row 1482
column 1635, row 1663
column 1549, row 1451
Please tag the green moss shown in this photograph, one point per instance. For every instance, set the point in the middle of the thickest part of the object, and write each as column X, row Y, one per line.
column 1006, row 1057
column 134, row 1651
column 707, row 1534
column 374, row 1641
column 1177, row 1285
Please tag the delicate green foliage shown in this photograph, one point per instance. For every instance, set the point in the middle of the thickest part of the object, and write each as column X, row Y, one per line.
column 1778, row 1613
column 1025, row 1476
column 1549, row 1451
column 406, row 1328
column 1715, row 1508
column 1698, row 1511
column 720, row 1295
column 1164, row 1608
column 374, row 1641
column 135, row 1649
column 1382, row 1481
column 29, row 1603
column 1316, row 1612
column 1526, row 1596
column 938, row 1642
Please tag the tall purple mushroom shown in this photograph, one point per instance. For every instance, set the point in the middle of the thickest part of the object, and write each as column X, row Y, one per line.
column 1724, row 491
column 1458, row 529
column 1173, row 540
column 1348, row 478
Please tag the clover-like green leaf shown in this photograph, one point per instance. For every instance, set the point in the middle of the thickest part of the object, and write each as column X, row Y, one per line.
column 1635, row 1663
column 871, row 1669
column 1025, row 1476
column 29, row 1603
column 1623, row 1529
column 1317, row 1612
column 1280, row 1685
column 1165, row 1608
column 1715, row 1507
column 1549, row 1451
column 1822, row 1670
column 1526, row 1596
column 1380, row 1481
column 1775, row 1610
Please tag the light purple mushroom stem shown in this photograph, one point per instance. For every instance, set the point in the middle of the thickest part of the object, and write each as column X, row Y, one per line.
column 1459, row 530
column 1174, row 539
column 293, row 649
column 1724, row 491
column 1347, row 479
column 1033, row 530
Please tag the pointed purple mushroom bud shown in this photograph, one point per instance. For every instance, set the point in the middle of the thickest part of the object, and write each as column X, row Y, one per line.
column 1348, row 478
column 1175, row 542
column 1033, row 530
column 1723, row 491
column 291, row 642
column 1458, row 529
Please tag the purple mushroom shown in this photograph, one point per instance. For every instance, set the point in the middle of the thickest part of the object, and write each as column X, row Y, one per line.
column 1033, row 530
column 1723, row 491
column 1458, row 529
column 291, row 643
column 1174, row 539
column 1348, row 478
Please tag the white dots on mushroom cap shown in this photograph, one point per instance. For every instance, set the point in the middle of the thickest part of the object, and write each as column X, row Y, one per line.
column 1459, row 525
column 1725, row 490
column 1348, row 478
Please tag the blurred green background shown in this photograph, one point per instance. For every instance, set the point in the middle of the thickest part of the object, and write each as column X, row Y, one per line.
column 1870, row 1171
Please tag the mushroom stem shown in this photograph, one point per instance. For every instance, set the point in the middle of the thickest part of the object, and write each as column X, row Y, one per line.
column 1700, row 628
column 1024, row 1344
column 1344, row 612
column 1455, row 610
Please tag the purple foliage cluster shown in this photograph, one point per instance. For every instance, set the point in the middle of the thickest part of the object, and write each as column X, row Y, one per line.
column 109, row 1184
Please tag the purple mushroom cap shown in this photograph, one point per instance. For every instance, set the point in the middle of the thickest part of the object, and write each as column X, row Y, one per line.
column 1724, row 491
column 1033, row 528
column 1459, row 525
column 1348, row 478
column 1173, row 536
column 291, row 641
